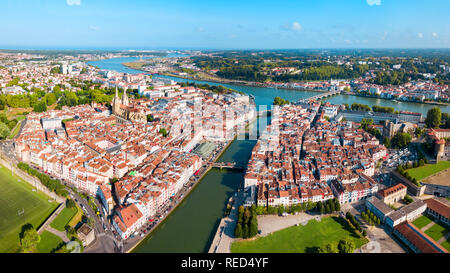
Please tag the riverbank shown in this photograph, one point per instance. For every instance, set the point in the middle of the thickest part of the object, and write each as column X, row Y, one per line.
column 376, row 97
column 264, row 85
column 132, row 65
column 266, row 95
column 185, row 194
column 242, row 83
column 138, row 66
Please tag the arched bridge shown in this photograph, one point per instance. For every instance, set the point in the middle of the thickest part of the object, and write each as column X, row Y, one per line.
column 321, row 96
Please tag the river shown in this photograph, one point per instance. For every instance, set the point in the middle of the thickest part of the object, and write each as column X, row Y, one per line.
column 192, row 226
column 265, row 95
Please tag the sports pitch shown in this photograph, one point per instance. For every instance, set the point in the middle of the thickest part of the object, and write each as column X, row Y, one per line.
column 16, row 196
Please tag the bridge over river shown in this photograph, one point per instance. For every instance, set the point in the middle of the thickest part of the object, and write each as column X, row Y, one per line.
column 229, row 165
column 321, row 96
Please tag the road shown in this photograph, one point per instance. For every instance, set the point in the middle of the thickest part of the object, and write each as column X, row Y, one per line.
column 105, row 241
column 131, row 242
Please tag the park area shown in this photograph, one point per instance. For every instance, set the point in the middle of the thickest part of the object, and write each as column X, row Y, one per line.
column 65, row 218
column 435, row 230
column 19, row 205
column 428, row 170
column 49, row 242
column 301, row 239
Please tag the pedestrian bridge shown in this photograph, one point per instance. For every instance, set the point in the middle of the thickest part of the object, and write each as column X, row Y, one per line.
column 229, row 165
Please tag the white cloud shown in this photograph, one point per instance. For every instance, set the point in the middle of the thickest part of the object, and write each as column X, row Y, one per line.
column 420, row 35
column 294, row 26
column 434, row 34
column 93, row 27
column 373, row 2
column 384, row 36
column 73, row 2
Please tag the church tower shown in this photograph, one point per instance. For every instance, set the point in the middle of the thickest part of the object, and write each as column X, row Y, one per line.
column 116, row 103
column 125, row 97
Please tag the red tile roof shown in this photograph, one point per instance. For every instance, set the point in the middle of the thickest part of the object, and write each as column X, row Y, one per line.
column 438, row 207
column 416, row 237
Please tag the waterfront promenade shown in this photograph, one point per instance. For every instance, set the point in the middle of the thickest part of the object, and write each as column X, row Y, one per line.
column 131, row 243
column 225, row 231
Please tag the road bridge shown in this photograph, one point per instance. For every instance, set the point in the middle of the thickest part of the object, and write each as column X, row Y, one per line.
column 321, row 96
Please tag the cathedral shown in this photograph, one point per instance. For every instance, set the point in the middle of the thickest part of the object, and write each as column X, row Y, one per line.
column 122, row 108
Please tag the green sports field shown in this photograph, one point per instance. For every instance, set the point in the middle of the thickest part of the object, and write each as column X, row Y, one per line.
column 15, row 195
column 301, row 239
column 427, row 170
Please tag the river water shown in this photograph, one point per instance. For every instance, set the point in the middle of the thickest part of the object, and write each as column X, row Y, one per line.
column 265, row 95
column 192, row 226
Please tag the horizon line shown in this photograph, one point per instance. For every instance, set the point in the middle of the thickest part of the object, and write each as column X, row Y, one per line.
column 89, row 48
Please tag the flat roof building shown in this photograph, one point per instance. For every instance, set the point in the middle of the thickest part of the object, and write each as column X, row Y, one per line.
column 379, row 208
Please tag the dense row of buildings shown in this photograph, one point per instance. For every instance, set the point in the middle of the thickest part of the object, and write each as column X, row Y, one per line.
column 303, row 157
column 87, row 146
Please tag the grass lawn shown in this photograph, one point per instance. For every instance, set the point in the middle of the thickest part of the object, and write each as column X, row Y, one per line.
column 422, row 221
column 301, row 239
column 49, row 242
column 15, row 195
column 77, row 218
column 427, row 170
column 436, row 231
column 446, row 244
column 63, row 218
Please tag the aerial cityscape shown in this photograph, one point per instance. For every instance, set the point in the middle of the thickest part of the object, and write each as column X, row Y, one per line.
column 272, row 134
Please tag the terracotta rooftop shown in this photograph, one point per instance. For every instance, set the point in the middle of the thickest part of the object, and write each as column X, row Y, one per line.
column 439, row 207
column 419, row 239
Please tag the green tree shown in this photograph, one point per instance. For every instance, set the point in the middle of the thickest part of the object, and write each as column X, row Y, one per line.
column 29, row 238
column 238, row 231
column 4, row 130
column 163, row 132
column 40, row 107
column 50, row 99
column 337, row 205
column 330, row 248
column 332, row 205
column 401, row 140
column 245, row 231
column 365, row 123
column 346, row 246
column 280, row 101
column 320, row 208
column 253, row 227
column 70, row 203
column 433, row 119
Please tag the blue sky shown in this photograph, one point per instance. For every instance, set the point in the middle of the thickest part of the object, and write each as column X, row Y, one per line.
column 220, row 24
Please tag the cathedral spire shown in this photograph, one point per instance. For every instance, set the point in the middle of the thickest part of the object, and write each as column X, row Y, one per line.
column 125, row 97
